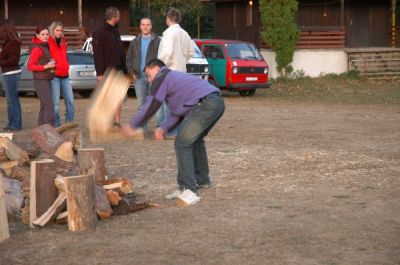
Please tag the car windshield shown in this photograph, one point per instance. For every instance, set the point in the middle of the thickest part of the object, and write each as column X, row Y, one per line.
column 197, row 52
column 80, row 58
column 243, row 51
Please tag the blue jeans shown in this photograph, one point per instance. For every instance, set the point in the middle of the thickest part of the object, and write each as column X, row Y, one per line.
column 190, row 148
column 62, row 85
column 141, row 90
column 162, row 116
column 11, row 86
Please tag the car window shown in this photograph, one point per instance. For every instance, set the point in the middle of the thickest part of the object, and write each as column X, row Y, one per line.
column 80, row 58
column 213, row 52
column 244, row 51
column 22, row 59
column 197, row 52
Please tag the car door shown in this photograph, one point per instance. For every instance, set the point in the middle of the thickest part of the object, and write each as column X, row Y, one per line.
column 216, row 59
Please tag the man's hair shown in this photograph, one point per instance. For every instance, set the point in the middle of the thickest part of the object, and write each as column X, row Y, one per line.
column 174, row 15
column 155, row 62
column 140, row 22
column 111, row 12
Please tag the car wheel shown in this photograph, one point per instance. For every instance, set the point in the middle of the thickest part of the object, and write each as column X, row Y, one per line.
column 85, row 94
column 247, row 93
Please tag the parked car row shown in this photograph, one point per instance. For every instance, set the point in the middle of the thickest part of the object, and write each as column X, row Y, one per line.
column 227, row 64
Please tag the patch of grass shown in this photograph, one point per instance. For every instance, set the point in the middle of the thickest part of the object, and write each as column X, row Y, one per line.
column 346, row 88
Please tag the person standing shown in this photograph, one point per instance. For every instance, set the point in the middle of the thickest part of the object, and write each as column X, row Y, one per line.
column 9, row 59
column 176, row 48
column 108, row 50
column 196, row 106
column 142, row 49
column 42, row 66
column 60, row 83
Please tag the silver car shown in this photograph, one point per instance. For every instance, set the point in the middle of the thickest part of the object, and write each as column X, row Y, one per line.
column 81, row 73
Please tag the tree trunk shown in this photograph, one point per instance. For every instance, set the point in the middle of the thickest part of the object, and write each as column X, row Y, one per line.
column 92, row 159
column 80, row 203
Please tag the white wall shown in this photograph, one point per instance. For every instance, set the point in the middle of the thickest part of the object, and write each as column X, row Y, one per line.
column 312, row 62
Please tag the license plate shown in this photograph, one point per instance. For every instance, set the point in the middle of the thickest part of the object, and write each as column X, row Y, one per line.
column 251, row 78
column 86, row 73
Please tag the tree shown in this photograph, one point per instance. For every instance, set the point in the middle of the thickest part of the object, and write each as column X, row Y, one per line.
column 279, row 30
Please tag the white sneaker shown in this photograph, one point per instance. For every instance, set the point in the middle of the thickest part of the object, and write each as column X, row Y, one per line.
column 173, row 194
column 187, row 198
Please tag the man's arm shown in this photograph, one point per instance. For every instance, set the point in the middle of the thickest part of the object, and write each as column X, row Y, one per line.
column 98, row 54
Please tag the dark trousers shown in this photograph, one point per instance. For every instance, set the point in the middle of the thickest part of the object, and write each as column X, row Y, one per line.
column 43, row 91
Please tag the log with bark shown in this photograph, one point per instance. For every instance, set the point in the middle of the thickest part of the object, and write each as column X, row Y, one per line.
column 13, row 152
column 80, row 203
column 67, row 127
column 61, row 165
column 43, row 192
column 53, row 143
column 30, row 147
column 4, row 231
column 50, row 215
column 92, row 158
column 103, row 207
column 121, row 185
column 130, row 203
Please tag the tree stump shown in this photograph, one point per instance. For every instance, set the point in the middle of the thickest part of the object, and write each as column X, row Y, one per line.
column 43, row 192
column 52, row 143
column 4, row 231
column 92, row 158
column 80, row 203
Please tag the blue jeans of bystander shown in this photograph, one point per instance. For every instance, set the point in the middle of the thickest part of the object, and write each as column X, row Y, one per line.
column 62, row 86
column 11, row 86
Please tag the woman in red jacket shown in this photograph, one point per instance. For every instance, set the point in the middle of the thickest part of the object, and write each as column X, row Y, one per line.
column 9, row 58
column 61, row 82
column 42, row 66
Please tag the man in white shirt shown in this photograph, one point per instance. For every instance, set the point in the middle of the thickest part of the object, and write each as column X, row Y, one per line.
column 176, row 48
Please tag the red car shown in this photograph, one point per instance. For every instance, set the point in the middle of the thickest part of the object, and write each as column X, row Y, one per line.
column 235, row 65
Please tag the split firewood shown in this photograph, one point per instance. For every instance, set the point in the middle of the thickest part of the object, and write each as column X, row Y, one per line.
column 20, row 173
column 66, row 127
column 92, row 158
column 43, row 192
column 30, row 147
column 53, row 143
column 13, row 152
column 75, row 136
column 131, row 203
column 80, row 203
column 121, row 185
column 3, row 156
column 8, row 165
column 103, row 207
column 113, row 197
column 62, row 218
column 62, row 166
column 60, row 183
column 50, row 215
column 4, row 231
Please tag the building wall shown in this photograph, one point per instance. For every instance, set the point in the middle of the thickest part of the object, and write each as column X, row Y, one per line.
column 313, row 63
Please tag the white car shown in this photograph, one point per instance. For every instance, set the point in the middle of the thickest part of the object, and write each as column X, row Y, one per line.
column 197, row 65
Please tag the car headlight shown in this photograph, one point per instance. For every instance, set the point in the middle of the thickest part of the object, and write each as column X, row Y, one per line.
column 206, row 69
column 265, row 70
column 234, row 70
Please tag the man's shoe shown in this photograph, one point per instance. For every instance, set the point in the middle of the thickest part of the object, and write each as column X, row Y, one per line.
column 187, row 198
column 9, row 129
column 204, row 186
column 173, row 194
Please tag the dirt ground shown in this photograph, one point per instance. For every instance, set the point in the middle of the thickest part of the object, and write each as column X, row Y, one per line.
column 294, row 183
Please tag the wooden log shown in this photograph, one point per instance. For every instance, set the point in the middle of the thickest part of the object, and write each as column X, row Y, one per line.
column 4, row 231
column 13, row 152
column 62, row 218
column 8, row 165
column 59, row 183
column 75, row 136
column 130, row 203
column 43, row 192
column 62, row 166
column 66, row 127
column 52, row 143
column 105, row 100
column 3, row 156
column 103, row 207
column 30, row 147
column 92, row 158
column 113, row 197
column 51, row 214
column 121, row 185
column 20, row 173
column 80, row 203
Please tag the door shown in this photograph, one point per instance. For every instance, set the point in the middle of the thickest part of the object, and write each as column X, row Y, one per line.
column 216, row 59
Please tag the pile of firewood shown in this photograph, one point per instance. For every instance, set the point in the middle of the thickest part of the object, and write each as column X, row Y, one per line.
column 63, row 182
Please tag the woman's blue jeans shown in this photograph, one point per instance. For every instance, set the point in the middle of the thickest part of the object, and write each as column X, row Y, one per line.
column 11, row 86
column 190, row 148
column 62, row 86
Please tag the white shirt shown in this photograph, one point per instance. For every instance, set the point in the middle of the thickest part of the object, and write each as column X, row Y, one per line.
column 176, row 48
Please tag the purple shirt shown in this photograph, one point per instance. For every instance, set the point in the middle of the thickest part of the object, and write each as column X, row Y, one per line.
column 181, row 91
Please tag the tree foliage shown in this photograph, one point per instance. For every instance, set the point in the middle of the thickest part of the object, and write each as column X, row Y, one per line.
column 279, row 30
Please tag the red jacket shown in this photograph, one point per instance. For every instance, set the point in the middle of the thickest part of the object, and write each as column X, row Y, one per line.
column 60, row 56
column 40, row 56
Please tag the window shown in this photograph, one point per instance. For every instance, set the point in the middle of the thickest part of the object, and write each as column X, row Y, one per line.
column 249, row 13
column 213, row 52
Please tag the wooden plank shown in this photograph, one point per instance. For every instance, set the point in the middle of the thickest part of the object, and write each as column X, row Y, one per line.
column 43, row 192
column 80, row 203
column 4, row 231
